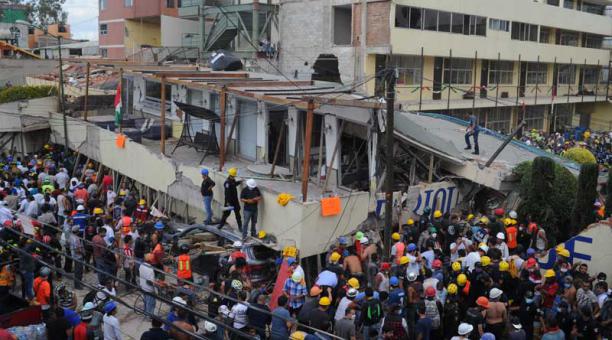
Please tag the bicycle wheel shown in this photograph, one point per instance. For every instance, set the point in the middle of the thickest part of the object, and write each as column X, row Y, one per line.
column 139, row 305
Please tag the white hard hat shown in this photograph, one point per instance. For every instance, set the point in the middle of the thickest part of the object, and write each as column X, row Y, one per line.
column 501, row 236
column 80, row 208
column 251, row 183
column 484, row 248
column 465, row 328
column 237, row 244
column 223, row 310
column 210, row 327
column 352, row 292
column 495, row 293
column 179, row 300
column 512, row 214
column 364, row 240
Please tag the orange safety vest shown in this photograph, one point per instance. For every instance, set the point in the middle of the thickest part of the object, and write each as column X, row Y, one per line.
column 184, row 267
column 6, row 277
column 511, row 231
column 400, row 247
column 126, row 221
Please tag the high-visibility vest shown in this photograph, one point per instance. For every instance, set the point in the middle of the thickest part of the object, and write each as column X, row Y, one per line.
column 512, row 234
column 5, row 276
column 400, row 247
column 126, row 221
column 184, row 267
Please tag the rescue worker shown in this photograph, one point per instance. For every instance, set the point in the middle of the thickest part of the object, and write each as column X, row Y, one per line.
column 231, row 202
column 184, row 264
column 7, row 276
column 42, row 292
column 124, row 225
column 398, row 249
column 207, row 195
column 142, row 212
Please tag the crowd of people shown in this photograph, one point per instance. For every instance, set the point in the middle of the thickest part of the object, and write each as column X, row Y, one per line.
column 458, row 275
column 598, row 143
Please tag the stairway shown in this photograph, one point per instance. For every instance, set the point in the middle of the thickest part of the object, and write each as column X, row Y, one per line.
column 223, row 32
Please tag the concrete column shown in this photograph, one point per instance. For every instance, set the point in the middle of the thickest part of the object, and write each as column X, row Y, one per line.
column 202, row 22
column 230, row 112
column 292, row 133
column 206, row 104
column 262, row 131
column 255, row 27
column 331, row 138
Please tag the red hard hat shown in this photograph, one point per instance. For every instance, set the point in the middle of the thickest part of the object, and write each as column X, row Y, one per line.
column 430, row 291
column 482, row 302
column 531, row 262
column 499, row 212
column 385, row 266
column 8, row 223
column 437, row 264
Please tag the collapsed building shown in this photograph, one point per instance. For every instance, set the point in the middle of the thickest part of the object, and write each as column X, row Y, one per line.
column 313, row 140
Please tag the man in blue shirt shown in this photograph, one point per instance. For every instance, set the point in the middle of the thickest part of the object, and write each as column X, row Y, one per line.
column 80, row 218
column 472, row 130
column 280, row 327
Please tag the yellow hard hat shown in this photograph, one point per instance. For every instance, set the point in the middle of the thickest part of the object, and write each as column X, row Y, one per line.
column 142, row 202
column 452, row 289
column 232, row 172
column 353, row 283
column 324, row 301
column 507, row 221
column 122, row 193
column 564, row 252
column 461, row 280
column 437, row 214
column 504, row 266
column 334, row 257
column 484, row 220
column 456, row 266
column 299, row 335
column 395, row 236
column 485, row 261
column 470, row 217
column 404, row 260
column 559, row 248
column 98, row 211
column 513, row 222
column 261, row 234
column 549, row 273
column 410, row 221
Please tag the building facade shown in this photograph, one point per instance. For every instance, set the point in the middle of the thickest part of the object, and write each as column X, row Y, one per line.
column 540, row 61
column 10, row 31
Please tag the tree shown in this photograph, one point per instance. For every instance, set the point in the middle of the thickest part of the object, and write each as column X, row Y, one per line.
column 580, row 156
column 583, row 213
column 562, row 196
column 537, row 196
column 47, row 12
column 609, row 196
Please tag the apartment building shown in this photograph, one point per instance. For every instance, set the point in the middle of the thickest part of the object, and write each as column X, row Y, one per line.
column 540, row 61
column 127, row 25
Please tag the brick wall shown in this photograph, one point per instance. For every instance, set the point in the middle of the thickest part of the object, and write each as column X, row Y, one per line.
column 378, row 31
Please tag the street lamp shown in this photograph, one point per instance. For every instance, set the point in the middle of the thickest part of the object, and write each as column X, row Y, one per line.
column 61, row 75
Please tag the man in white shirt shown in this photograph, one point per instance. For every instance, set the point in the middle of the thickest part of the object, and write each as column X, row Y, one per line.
column 32, row 209
column 110, row 197
column 112, row 329
column 470, row 259
column 501, row 245
column 460, row 243
column 62, row 178
column 239, row 311
column 5, row 213
column 147, row 277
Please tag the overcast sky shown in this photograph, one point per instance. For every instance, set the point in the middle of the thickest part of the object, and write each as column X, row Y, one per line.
column 83, row 18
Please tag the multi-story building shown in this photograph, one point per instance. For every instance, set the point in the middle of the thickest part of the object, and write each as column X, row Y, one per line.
column 127, row 25
column 10, row 31
column 541, row 61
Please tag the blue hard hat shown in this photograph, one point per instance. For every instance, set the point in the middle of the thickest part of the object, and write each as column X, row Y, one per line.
column 342, row 240
column 487, row 336
column 412, row 247
column 530, row 251
column 109, row 307
column 159, row 225
column 394, row 281
column 291, row 260
column 204, row 172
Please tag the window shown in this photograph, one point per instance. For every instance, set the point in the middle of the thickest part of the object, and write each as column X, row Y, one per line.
column 128, row 3
column 603, row 75
column 169, row 3
column 31, row 30
column 499, row 119
column 499, row 25
column 478, row 25
column 104, row 53
column 567, row 74
column 568, row 4
column 458, row 20
column 431, row 20
column 593, row 8
column 524, row 32
column 409, row 69
column 342, row 25
column 103, row 4
column 444, row 21
column 563, row 115
column 553, row 2
column 61, row 28
column 568, row 38
column 153, row 91
column 402, row 16
column 536, row 73
column 416, row 18
column 592, row 40
column 501, row 72
column 461, row 72
column 103, row 29
column 590, row 75
column 544, row 34
column 534, row 117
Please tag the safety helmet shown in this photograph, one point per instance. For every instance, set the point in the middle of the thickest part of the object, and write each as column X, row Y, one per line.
column 342, row 240
column 504, row 266
column 470, row 217
column 261, row 234
column 512, row 214
column 461, row 280
column 334, row 257
column 232, row 172
column 109, row 307
column 296, row 277
column 483, row 246
column 324, row 301
column 237, row 284
column 465, row 328
column 412, row 247
column 353, row 283
column 501, row 236
column 404, row 260
column 549, row 273
column 142, row 202
column 359, row 235
column 452, row 289
column 564, row 252
column 430, row 291
column 410, row 221
column 394, row 281
column 485, row 261
column 237, row 244
column 352, row 292
column 495, row 293
column 364, row 240
column 159, row 225
column 80, row 208
column 210, row 327
column 437, row 214
column 499, row 212
column 251, row 183
column 98, row 211
column 456, row 266
column 204, row 172
column 412, row 276
column 482, row 302
column 484, row 220
column 395, row 236
column 45, row 271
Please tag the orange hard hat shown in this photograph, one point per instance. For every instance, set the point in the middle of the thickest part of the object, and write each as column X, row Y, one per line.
column 482, row 302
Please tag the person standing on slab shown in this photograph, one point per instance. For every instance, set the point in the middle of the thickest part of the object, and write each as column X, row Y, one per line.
column 250, row 196
column 472, row 130
column 207, row 194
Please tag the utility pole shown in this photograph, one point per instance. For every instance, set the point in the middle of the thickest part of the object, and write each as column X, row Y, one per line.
column 389, row 178
column 85, row 106
column 61, row 90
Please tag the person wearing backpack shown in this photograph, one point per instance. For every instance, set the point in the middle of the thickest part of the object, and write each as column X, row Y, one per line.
column 433, row 310
column 371, row 315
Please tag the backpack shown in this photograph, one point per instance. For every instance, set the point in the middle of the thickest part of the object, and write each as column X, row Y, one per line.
column 89, row 297
column 432, row 312
column 373, row 312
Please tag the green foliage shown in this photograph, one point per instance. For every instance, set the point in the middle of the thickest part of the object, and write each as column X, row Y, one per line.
column 609, row 196
column 47, row 12
column 552, row 211
column 15, row 93
column 580, row 156
column 584, row 213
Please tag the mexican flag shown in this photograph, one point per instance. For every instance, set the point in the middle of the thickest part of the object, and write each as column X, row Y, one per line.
column 118, row 115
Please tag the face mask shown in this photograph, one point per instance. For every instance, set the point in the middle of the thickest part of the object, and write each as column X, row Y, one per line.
column 529, row 301
column 563, row 270
column 567, row 285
